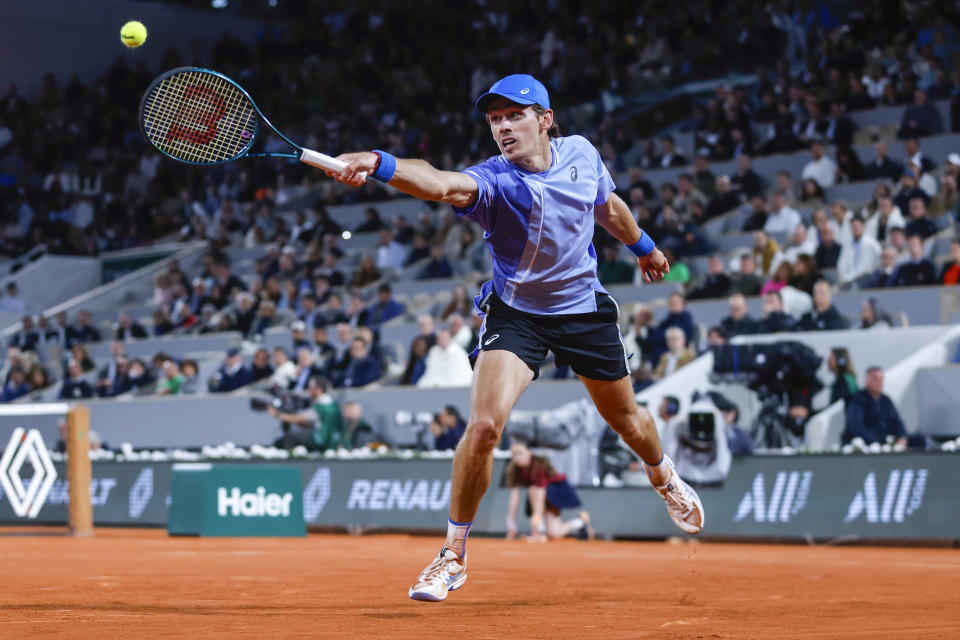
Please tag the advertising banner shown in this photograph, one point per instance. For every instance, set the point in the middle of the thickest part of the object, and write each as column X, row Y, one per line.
column 899, row 496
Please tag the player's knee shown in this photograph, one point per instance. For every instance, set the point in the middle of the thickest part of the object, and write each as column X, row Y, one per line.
column 484, row 434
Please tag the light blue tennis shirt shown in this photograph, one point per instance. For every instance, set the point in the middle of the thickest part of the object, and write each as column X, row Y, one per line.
column 539, row 227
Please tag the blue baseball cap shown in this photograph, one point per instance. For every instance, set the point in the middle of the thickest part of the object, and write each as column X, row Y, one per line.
column 520, row 88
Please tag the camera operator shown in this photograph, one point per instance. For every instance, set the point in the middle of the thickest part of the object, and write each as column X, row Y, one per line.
column 448, row 427
column 700, row 454
column 317, row 427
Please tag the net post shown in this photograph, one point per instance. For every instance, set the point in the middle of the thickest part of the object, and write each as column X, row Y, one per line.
column 80, row 520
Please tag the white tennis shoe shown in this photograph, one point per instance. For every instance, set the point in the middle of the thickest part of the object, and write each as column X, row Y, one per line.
column 683, row 503
column 446, row 573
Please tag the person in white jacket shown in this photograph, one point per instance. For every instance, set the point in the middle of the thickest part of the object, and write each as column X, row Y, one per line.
column 447, row 364
column 861, row 255
column 886, row 217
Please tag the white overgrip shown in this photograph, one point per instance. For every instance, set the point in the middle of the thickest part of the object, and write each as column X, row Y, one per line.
column 323, row 161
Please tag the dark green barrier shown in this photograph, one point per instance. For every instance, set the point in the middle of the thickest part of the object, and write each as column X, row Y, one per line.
column 236, row 500
column 899, row 496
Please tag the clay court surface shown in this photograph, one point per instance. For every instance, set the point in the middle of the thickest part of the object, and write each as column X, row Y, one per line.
column 128, row 583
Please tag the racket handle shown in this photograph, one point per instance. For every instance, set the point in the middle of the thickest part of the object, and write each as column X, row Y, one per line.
column 322, row 161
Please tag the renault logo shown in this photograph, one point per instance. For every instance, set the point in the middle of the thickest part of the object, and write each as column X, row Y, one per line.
column 26, row 446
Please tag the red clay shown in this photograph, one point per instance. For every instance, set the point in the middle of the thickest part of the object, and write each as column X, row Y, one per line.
column 127, row 583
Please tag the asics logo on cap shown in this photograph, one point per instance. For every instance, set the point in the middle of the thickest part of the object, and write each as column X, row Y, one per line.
column 524, row 91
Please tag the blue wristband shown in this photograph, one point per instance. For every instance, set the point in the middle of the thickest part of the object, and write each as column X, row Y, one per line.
column 643, row 246
column 386, row 168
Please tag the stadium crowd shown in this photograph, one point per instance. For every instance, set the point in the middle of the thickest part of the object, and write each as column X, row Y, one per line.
column 70, row 182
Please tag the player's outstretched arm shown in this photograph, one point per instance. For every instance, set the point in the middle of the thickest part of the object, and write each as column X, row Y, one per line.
column 615, row 216
column 417, row 178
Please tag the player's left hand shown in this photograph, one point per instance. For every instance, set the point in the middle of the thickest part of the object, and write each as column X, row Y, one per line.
column 653, row 266
column 359, row 166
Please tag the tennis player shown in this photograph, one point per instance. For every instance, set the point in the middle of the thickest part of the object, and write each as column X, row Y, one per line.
column 536, row 202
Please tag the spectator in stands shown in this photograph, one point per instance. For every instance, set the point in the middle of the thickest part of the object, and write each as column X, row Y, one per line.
column 385, row 308
column 849, row 167
column 920, row 223
column 746, row 181
column 260, row 365
column 13, row 302
column 800, row 243
column 774, row 319
column 438, row 266
column 885, row 217
column 824, row 316
column 307, row 366
column 419, row 251
column 319, row 427
column 82, row 356
column 840, row 128
column 918, row 270
column 265, row 317
column 757, row 214
column 883, row 276
column 16, row 385
column 811, row 194
column 127, row 329
column 189, row 372
column 642, row 340
column 669, row 156
column 232, row 375
column 284, row 369
column 782, row 218
column 390, row 253
column 461, row 303
column 678, row 316
column 357, row 432
column 677, row 355
column 916, row 156
column 363, row 368
column 844, row 376
column 766, row 253
column 898, row 242
column 872, row 416
column 366, row 273
column 460, row 332
column 873, row 317
column 716, row 283
column 920, row 119
column 908, row 189
column 951, row 270
column 859, row 257
column 828, row 252
column 739, row 321
column 748, row 282
column 28, row 336
column 613, row 269
column 882, row 167
column 82, row 330
column 74, row 386
column 447, row 364
column 172, row 380
column 448, row 427
column 738, row 440
column 416, row 361
column 371, row 221
column 723, row 200
column 821, row 168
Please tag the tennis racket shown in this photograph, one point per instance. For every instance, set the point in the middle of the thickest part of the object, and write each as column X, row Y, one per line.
column 202, row 117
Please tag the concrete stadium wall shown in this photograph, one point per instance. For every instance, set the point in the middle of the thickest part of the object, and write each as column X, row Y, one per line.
column 53, row 279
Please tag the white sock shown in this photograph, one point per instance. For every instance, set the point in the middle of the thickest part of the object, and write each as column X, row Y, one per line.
column 457, row 536
column 575, row 524
column 659, row 473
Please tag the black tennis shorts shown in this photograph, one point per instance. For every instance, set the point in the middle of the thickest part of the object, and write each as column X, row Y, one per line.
column 589, row 342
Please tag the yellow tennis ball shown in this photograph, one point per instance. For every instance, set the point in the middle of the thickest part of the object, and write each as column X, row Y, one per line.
column 133, row 34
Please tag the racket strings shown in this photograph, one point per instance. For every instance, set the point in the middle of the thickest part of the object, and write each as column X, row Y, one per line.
column 199, row 117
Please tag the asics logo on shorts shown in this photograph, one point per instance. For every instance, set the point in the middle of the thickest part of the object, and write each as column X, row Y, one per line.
column 492, row 338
